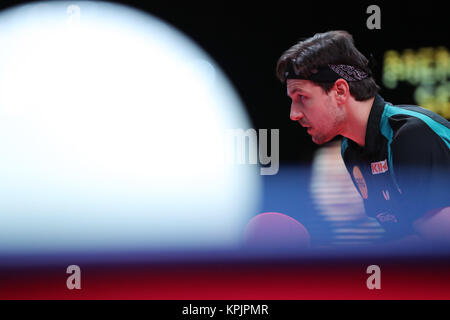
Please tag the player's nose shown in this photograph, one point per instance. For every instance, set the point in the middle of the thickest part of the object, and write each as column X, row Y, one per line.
column 296, row 114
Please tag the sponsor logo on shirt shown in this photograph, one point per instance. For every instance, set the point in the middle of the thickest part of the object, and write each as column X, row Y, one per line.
column 379, row 167
column 384, row 217
column 386, row 194
column 360, row 182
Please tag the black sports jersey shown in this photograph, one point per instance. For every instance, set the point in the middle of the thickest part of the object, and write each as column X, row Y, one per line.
column 403, row 170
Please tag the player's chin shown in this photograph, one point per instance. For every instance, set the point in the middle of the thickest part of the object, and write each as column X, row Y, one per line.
column 318, row 142
column 318, row 139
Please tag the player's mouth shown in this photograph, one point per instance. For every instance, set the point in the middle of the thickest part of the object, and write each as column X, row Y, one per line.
column 308, row 127
column 304, row 125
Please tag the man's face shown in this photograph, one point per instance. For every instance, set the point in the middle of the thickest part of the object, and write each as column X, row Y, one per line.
column 315, row 110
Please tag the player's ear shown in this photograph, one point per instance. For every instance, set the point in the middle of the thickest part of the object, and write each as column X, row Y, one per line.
column 342, row 91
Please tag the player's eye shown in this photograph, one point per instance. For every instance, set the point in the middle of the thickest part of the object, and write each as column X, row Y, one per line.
column 301, row 98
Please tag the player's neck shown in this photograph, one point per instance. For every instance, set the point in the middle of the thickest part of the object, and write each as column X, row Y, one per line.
column 357, row 118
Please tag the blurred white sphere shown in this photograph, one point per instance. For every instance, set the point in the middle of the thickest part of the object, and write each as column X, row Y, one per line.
column 111, row 134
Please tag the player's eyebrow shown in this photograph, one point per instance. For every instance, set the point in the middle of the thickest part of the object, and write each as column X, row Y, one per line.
column 291, row 92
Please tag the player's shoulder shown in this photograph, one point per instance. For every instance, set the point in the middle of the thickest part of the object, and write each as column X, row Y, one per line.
column 408, row 127
column 415, row 124
column 419, row 136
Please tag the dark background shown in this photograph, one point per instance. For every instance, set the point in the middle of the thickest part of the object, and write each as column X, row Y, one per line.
column 246, row 39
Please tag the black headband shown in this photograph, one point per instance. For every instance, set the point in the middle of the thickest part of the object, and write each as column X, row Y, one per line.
column 328, row 73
